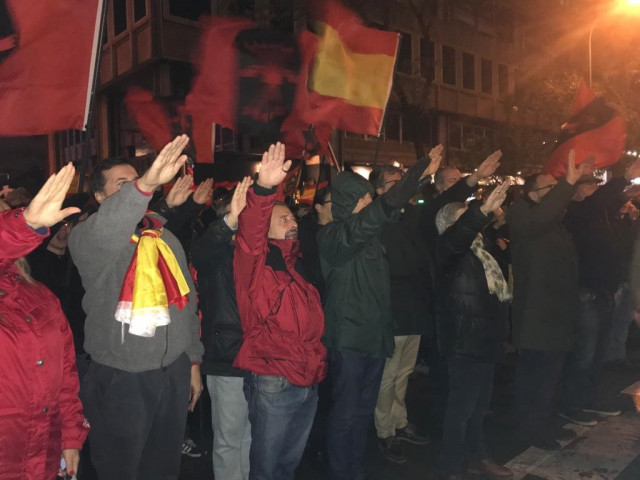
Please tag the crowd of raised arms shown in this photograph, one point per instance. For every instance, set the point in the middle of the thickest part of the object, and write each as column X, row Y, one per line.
column 118, row 307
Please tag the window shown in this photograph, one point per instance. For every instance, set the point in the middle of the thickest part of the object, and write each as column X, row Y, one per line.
column 427, row 59
column 119, row 16
column 139, row 9
column 448, row 65
column 455, row 136
column 468, row 71
column 189, row 9
column 503, row 80
column 404, row 54
column 486, row 72
column 392, row 126
column 245, row 8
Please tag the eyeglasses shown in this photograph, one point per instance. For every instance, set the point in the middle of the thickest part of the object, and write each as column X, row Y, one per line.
column 550, row 186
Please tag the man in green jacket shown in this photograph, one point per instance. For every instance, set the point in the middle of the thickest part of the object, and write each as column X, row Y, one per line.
column 358, row 328
column 545, row 297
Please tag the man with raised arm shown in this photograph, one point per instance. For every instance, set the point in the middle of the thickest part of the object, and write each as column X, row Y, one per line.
column 142, row 330
column 283, row 324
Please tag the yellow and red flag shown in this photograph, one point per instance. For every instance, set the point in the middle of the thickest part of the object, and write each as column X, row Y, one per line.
column 352, row 73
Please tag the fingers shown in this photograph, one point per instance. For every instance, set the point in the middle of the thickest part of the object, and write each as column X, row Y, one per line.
column 69, row 211
column 173, row 149
column 572, row 159
column 495, row 156
column 287, row 165
column 436, row 151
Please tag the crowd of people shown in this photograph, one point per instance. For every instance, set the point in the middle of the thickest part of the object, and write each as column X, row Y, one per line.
column 304, row 330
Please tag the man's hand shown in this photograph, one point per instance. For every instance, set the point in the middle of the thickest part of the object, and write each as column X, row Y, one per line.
column 44, row 209
column 435, row 155
column 273, row 168
column 165, row 166
column 633, row 171
column 487, row 168
column 574, row 173
column 179, row 192
column 71, row 459
column 495, row 198
column 196, row 386
column 238, row 202
column 204, row 192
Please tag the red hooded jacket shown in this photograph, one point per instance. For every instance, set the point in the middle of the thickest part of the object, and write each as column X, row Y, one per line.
column 280, row 309
column 40, row 412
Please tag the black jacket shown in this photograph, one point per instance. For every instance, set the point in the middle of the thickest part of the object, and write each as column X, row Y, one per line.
column 600, row 251
column 212, row 256
column 471, row 321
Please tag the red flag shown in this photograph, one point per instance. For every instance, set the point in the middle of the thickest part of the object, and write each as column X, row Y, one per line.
column 353, row 71
column 295, row 132
column 160, row 126
column 45, row 80
column 594, row 129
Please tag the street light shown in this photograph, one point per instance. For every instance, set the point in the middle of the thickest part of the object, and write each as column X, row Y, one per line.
column 622, row 6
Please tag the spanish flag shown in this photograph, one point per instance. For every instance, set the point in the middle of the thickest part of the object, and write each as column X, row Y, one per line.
column 353, row 71
column 594, row 129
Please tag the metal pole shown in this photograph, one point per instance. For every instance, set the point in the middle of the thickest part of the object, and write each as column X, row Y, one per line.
column 86, row 147
column 593, row 25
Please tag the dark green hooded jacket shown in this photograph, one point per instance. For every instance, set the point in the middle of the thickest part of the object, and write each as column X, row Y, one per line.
column 356, row 271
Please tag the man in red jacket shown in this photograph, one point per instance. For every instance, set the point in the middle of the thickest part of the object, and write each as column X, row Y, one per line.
column 283, row 325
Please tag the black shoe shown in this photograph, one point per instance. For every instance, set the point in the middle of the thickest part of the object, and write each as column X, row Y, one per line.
column 391, row 449
column 579, row 417
column 408, row 434
column 544, row 442
column 563, row 434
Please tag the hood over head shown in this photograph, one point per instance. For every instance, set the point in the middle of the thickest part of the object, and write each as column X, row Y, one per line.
column 346, row 190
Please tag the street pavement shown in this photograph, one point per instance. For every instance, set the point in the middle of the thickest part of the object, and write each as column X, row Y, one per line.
column 608, row 451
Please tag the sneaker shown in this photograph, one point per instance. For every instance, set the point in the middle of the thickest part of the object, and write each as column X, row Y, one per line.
column 579, row 417
column 391, row 449
column 190, row 449
column 603, row 411
column 490, row 469
column 408, row 434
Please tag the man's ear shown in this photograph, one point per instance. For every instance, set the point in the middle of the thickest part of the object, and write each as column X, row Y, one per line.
column 99, row 196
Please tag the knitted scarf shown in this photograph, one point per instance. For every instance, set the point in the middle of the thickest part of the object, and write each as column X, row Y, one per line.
column 495, row 279
column 153, row 281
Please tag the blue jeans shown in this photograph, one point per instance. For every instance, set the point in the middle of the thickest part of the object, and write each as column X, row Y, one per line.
column 356, row 383
column 622, row 318
column 584, row 363
column 281, row 415
column 470, row 388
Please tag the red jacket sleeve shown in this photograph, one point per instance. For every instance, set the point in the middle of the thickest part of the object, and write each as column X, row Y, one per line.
column 251, row 239
column 16, row 237
column 74, row 431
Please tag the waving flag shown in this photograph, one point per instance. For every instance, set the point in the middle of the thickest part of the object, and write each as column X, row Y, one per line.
column 594, row 129
column 353, row 71
column 47, row 58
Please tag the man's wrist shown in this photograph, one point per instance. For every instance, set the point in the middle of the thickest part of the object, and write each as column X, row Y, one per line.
column 144, row 186
column 472, row 180
column 231, row 221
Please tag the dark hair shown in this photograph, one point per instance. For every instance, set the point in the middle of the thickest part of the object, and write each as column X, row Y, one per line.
column 437, row 179
column 97, row 180
column 530, row 184
column 376, row 178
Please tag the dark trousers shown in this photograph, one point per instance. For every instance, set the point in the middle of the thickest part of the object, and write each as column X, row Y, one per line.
column 584, row 362
column 281, row 415
column 470, row 389
column 137, row 420
column 537, row 377
column 356, row 382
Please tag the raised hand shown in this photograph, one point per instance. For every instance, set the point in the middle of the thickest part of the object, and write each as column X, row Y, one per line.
column 44, row 210
column 238, row 201
column 165, row 166
column 273, row 168
column 436, row 158
column 487, row 168
column 495, row 198
column 179, row 192
column 575, row 172
column 204, row 192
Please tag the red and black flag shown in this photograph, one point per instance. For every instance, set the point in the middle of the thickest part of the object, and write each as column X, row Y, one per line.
column 8, row 34
column 161, row 122
column 594, row 130
column 247, row 77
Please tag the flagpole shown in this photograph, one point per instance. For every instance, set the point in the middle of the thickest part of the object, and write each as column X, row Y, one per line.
column 91, row 100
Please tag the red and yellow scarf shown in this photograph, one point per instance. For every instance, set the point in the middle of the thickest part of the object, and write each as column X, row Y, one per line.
column 153, row 281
